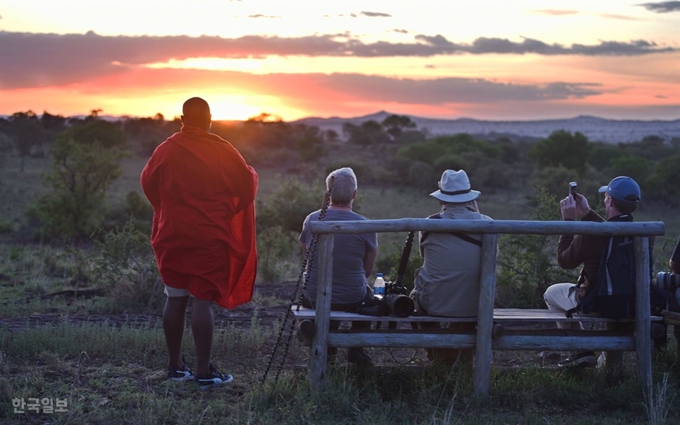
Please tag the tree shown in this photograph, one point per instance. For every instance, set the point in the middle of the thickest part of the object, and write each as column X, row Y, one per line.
column 368, row 133
column 663, row 184
column 396, row 124
column 564, row 149
column 635, row 167
column 109, row 135
column 53, row 124
column 331, row 135
column 26, row 130
column 80, row 175
column 6, row 147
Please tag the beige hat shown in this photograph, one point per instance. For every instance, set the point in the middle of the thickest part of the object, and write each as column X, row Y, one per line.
column 454, row 187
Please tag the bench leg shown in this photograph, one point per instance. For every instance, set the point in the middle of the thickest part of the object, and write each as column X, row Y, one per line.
column 614, row 359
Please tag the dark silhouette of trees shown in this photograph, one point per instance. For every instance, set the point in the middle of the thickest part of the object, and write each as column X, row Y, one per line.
column 663, row 184
column 367, row 133
column 26, row 131
column 395, row 125
column 562, row 148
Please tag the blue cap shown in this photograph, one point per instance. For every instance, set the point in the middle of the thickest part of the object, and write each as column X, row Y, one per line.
column 623, row 189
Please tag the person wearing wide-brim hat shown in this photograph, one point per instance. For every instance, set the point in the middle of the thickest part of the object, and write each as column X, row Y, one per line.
column 448, row 282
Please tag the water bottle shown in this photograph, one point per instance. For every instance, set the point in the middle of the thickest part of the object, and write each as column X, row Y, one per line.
column 379, row 285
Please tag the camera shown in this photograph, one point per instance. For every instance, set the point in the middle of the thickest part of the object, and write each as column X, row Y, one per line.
column 668, row 281
column 573, row 188
column 396, row 298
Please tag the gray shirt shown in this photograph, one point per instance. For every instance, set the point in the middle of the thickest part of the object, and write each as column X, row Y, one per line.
column 349, row 276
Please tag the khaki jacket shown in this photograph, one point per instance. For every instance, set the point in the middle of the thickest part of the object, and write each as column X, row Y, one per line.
column 448, row 283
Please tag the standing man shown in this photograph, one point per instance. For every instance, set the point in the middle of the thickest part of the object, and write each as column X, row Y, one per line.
column 203, row 234
column 621, row 198
column 448, row 282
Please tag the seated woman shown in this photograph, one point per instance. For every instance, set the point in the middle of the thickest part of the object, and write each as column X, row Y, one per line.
column 353, row 256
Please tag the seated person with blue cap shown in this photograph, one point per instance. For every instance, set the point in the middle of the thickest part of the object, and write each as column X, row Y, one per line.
column 621, row 198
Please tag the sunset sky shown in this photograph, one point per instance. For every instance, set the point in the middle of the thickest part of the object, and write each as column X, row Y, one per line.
column 494, row 60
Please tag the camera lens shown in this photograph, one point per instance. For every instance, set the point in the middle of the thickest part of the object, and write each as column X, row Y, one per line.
column 667, row 281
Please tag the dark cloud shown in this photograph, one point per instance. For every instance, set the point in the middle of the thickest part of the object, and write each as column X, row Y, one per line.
column 33, row 60
column 662, row 7
column 660, row 96
column 556, row 12
column 449, row 90
column 400, row 31
column 376, row 15
column 353, row 86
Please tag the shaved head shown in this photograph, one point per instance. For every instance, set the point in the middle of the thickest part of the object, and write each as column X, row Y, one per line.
column 196, row 112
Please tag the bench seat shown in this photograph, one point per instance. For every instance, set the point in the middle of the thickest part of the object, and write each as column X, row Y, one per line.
column 403, row 336
column 500, row 315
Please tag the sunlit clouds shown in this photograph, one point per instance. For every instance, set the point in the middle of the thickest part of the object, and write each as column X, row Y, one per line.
column 484, row 59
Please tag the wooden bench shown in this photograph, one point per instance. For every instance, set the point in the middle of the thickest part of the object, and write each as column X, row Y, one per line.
column 490, row 332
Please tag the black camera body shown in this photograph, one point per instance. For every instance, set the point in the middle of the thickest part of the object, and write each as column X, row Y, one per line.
column 398, row 301
column 667, row 281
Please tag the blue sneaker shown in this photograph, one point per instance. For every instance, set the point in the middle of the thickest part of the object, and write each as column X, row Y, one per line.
column 216, row 379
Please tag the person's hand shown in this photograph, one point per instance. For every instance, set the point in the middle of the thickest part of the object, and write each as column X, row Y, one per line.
column 582, row 206
column 568, row 207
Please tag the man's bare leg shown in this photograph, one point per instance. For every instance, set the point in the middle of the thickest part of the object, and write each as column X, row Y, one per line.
column 173, row 326
column 202, row 324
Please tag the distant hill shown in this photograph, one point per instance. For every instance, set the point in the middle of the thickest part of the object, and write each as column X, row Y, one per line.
column 596, row 129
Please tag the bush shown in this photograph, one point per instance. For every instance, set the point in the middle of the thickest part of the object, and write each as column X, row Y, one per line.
column 276, row 250
column 527, row 264
column 80, row 175
column 124, row 263
column 389, row 264
column 288, row 206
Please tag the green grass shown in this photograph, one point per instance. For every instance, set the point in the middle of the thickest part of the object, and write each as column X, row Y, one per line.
column 116, row 374
column 128, row 385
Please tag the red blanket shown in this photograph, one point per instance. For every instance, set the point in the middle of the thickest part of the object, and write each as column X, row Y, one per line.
column 203, row 197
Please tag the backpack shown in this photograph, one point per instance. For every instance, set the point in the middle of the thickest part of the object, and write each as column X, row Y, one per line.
column 614, row 295
column 615, row 290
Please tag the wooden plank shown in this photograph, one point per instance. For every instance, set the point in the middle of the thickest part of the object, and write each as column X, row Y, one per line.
column 510, row 227
column 671, row 317
column 502, row 342
column 318, row 352
column 643, row 340
column 499, row 315
column 564, row 343
column 483, row 353
column 389, row 339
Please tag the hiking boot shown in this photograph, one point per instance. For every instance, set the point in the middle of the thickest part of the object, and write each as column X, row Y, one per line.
column 358, row 357
column 216, row 379
column 585, row 359
column 182, row 374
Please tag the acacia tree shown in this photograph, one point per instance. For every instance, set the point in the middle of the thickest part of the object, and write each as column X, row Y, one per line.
column 395, row 124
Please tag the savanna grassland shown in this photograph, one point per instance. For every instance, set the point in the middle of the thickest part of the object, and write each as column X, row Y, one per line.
column 81, row 298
